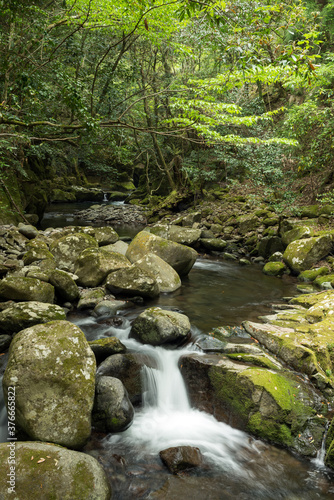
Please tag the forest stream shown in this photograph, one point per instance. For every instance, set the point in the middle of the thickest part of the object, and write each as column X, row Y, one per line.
column 236, row 465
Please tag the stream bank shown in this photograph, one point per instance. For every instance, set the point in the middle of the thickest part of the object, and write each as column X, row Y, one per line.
column 105, row 237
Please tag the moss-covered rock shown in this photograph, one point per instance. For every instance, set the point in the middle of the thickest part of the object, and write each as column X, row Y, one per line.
column 213, row 244
column 276, row 406
column 21, row 315
column 274, row 268
column 112, row 411
column 52, row 369
column 156, row 326
column 65, row 286
column 94, row 264
column 269, row 245
column 180, row 257
column 166, row 277
column 105, row 235
column 18, row 288
column 67, row 249
column 105, row 347
column 89, row 298
column 132, row 281
column 35, row 254
column 47, row 471
column 302, row 254
column 312, row 274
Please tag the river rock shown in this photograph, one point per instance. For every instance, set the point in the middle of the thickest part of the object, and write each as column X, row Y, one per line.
column 105, row 347
column 52, row 369
column 132, row 281
column 67, row 248
column 28, row 230
column 302, row 254
column 167, row 278
column 213, row 244
column 18, row 288
column 272, row 405
column 274, row 268
column 156, row 326
column 297, row 232
column 119, row 247
column 112, row 411
column 36, row 254
column 107, row 308
column 105, row 235
column 180, row 257
column 46, row 471
column 91, row 297
column 65, row 286
column 127, row 367
column 184, row 235
column 22, row 315
column 93, row 266
column 269, row 245
column 181, row 458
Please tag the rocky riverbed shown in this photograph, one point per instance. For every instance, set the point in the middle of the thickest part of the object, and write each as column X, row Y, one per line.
column 278, row 385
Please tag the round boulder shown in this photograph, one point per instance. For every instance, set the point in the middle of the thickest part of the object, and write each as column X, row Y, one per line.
column 22, row 315
column 19, row 288
column 112, row 411
column 67, row 248
column 132, row 281
column 46, row 471
column 156, row 326
column 93, row 265
column 52, row 370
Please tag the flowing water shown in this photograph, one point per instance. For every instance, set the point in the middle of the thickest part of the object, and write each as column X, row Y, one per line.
column 236, row 466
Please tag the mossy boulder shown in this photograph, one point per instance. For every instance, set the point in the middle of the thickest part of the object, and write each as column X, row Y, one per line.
column 156, row 326
column 247, row 223
column 89, row 298
column 47, row 471
column 276, row 406
column 94, row 264
column 184, row 235
column 296, row 233
column 274, row 268
column 132, row 281
column 67, row 249
column 112, row 411
column 22, row 288
column 302, row 254
column 213, row 244
column 180, row 257
column 311, row 274
column 65, row 286
column 105, row 347
column 320, row 280
column 105, row 235
column 36, row 254
column 52, row 369
column 269, row 245
column 167, row 278
column 126, row 367
column 21, row 315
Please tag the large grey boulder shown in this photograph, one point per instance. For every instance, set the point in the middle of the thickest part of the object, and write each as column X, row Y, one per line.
column 52, row 369
column 180, row 257
column 156, row 326
column 45, row 471
column 21, row 315
column 93, row 265
column 302, row 254
column 112, row 411
column 22, row 288
column 167, row 278
column 67, row 248
column 65, row 286
column 105, row 235
column 132, row 281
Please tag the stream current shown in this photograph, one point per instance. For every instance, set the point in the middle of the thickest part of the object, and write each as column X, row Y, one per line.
column 236, row 466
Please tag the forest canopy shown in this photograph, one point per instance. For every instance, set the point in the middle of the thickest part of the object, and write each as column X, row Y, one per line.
column 197, row 90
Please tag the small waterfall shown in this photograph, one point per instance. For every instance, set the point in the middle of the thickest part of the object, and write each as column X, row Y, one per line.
column 167, row 419
column 319, row 460
column 105, row 198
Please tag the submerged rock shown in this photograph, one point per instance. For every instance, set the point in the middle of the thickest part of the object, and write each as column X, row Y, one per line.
column 52, row 369
column 112, row 411
column 156, row 326
column 181, row 458
column 46, row 471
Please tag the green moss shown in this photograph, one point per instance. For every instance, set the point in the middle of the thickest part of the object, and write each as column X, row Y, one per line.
column 252, row 359
column 269, row 429
column 312, row 274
